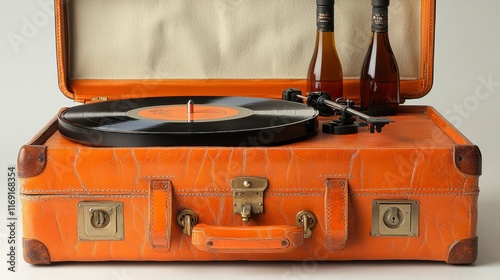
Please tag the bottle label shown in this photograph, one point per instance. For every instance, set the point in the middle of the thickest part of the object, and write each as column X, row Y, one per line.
column 324, row 18
column 380, row 19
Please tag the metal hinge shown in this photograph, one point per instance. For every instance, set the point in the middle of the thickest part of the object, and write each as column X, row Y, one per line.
column 98, row 99
column 248, row 195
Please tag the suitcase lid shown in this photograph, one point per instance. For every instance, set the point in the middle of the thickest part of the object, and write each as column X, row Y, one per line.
column 116, row 49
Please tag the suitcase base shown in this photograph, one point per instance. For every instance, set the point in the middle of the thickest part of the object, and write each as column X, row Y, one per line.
column 338, row 180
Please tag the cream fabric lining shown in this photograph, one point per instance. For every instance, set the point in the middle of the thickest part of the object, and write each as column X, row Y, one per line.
column 226, row 39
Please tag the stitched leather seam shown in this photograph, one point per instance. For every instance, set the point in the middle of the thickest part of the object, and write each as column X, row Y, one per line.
column 272, row 194
column 151, row 215
column 345, row 197
column 205, row 194
column 329, row 176
column 168, row 218
column 83, row 194
column 32, row 197
column 81, row 190
column 296, row 194
column 410, row 189
column 268, row 192
column 59, row 48
column 419, row 194
column 176, row 191
column 71, row 197
column 329, row 218
column 227, row 190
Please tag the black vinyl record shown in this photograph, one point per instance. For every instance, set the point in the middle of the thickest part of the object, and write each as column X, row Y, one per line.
column 165, row 121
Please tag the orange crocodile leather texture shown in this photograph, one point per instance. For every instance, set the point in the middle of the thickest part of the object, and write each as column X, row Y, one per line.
column 335, row 177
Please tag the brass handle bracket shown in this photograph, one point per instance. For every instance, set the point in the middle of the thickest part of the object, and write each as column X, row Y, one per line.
column 307, row 221
column 187, row 219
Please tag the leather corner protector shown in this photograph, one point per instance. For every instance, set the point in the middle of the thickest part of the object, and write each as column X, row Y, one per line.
column 35, row 252
column 463, row 251
column 468, row 159
column 32, row 160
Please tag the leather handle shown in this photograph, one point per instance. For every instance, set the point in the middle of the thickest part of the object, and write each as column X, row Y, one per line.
column 280, row 239
column 160, row 215
column 255, row 239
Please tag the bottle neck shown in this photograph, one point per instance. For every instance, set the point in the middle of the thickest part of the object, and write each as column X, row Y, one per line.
column 380, row 38
column 325, row 19
column 324, row 36
column 380, row 19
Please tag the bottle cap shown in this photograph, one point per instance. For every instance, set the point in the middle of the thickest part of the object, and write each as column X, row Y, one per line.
column 379, row 3
column 325, row 2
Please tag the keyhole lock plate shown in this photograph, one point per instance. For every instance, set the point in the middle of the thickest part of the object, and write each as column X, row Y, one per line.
column 100, row 220
column 395, row 217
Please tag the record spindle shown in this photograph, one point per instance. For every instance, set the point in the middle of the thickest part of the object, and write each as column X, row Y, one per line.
column 190, row 110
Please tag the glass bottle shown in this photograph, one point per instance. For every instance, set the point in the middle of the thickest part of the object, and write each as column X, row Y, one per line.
column 379, row 80
column 325, row 70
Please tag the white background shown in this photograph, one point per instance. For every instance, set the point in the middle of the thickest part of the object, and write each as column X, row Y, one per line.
column 467, row 54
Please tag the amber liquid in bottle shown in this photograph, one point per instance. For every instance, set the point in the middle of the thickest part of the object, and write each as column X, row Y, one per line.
column 325, row 70
column 380, row 74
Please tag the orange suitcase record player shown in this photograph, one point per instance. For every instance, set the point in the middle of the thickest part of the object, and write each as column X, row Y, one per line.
column 184, row 150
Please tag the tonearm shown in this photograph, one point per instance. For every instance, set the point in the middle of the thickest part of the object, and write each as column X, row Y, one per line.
column 346, row 123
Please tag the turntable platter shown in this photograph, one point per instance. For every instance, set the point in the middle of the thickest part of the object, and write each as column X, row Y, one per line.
column 188, row 121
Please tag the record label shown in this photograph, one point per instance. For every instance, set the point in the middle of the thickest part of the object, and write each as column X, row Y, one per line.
column 179, row 113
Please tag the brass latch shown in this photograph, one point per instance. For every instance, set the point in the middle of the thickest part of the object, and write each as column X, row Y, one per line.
column 248, row 195
column 187, row 219
column 306, row 220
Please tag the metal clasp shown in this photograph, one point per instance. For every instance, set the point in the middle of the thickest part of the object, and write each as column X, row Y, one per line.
column 248, row 196
column 187, row 219
column 307, row 220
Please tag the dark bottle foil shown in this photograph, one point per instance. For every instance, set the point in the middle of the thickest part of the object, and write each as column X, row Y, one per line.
column 324, row 18
column 380, row 19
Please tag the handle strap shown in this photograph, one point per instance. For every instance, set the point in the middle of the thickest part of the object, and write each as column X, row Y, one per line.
column 160, row 215
column 337, row 213
column 258, row 239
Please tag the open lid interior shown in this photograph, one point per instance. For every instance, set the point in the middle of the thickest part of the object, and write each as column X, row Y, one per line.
column 115, row 49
